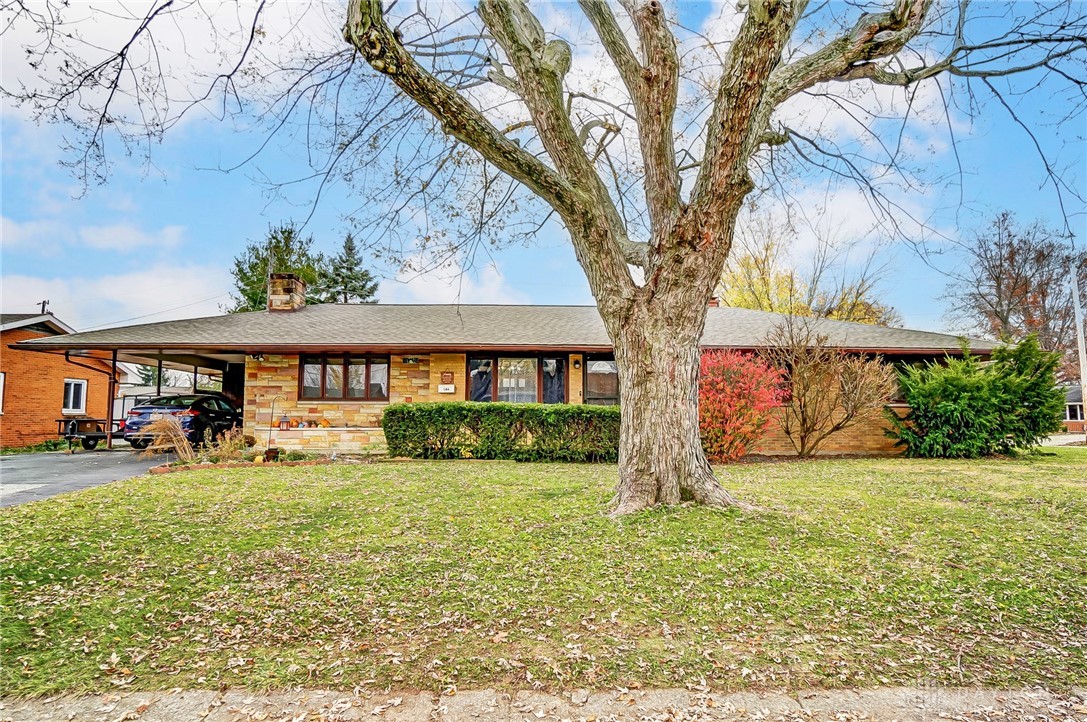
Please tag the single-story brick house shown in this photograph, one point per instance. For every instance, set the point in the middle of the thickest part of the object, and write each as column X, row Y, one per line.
column 38, row 389
column 335, row 367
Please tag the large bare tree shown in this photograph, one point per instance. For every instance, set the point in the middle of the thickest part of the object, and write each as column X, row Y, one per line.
column 470, row 115
column 1017, row 281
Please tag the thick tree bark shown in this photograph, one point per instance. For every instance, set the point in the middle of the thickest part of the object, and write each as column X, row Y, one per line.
column 655, row 327
column 661, row 460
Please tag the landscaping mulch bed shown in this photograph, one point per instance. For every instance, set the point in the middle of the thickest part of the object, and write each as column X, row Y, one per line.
column 173, row 468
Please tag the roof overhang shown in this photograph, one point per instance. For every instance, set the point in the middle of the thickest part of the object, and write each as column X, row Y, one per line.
column 218, row 355
column 47, row 318
column 180, row 360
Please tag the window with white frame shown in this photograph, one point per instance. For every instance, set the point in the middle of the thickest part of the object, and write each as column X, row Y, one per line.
column 3, row 378
column 75, row 396
column 1073, row 412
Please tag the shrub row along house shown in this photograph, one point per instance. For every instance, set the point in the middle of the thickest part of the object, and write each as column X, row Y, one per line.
column 328, row 371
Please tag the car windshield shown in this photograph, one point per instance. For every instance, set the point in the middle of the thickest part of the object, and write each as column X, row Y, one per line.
column 182, row 402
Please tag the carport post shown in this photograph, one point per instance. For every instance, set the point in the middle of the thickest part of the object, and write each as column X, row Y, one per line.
column 195, row 370
column 112, row 395
column 158, row 377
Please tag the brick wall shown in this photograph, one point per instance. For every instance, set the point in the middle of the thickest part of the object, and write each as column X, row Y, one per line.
column 865, row 437
column 577, row 380
column 455, row 363
column 34, row 390
column 354, row 424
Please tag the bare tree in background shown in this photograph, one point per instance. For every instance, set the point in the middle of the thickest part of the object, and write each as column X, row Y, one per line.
column 471, row 128
column 1016, row 282
column 762, row 273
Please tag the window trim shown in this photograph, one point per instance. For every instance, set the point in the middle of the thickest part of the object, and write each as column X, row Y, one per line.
column 82, row 397
column 589, row 358
column 1068, row 411
column 3, row 386
column 345, row 363
column 493, row 358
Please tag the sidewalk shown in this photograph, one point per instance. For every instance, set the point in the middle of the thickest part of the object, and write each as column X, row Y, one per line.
column 1063, row 440
column 666, row 705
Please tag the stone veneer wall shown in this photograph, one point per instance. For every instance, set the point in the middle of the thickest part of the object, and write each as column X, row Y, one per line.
column 355, row 425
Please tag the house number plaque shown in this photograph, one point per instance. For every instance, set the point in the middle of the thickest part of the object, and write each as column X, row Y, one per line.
column 446, row 386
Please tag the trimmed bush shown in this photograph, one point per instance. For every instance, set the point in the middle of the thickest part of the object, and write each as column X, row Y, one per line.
column 736, row 393
column 966, row 409
column 520, row 432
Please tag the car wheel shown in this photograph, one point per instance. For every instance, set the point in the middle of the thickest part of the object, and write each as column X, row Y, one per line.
column 199, row 434
column 88, row 444
column 139, row 444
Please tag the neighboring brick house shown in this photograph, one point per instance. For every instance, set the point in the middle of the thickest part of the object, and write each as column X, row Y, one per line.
column 335, row 367
column 37, row 388
column 1074, row 422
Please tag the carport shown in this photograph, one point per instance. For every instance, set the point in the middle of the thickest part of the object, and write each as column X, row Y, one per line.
column 228, row 365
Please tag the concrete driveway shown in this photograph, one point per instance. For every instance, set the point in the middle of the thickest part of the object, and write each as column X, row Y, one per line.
column 29, row 477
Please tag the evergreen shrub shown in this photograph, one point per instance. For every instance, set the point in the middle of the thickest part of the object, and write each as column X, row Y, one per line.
column 964, row 408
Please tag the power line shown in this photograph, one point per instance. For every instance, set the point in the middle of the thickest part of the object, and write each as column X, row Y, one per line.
column 157, row 313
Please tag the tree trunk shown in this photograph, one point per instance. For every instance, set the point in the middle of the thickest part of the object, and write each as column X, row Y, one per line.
column 661, row 460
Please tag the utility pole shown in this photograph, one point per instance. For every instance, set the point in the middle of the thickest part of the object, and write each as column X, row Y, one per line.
column 1079, row 335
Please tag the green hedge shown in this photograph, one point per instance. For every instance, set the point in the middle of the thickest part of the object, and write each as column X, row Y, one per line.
column 966, row 409
column 521, row 432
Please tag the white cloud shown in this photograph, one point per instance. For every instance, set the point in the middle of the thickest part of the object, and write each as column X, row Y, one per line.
column 158, row 293
column 47, row 237
column 450, row 283
column 127, row 237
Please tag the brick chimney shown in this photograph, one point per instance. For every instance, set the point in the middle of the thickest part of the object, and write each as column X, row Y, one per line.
column 286, row 292
column 714, row 302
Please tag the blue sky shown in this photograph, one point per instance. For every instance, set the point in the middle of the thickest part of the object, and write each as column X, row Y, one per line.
column 156, row 243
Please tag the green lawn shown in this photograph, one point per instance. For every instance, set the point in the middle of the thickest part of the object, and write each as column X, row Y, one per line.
column 469, row 573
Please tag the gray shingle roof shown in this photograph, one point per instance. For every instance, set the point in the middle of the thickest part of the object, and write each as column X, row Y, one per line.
column 6, row 318
column 466, row 326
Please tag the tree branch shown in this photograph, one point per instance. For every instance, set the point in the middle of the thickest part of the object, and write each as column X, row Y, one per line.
column 541, row 68
column 653, row 88
column 723, row 177
column 367, row 31
column 874, row 35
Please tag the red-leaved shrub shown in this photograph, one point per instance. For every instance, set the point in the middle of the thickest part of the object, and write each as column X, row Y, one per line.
column 736, row 392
